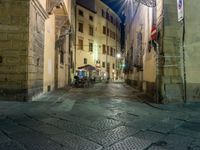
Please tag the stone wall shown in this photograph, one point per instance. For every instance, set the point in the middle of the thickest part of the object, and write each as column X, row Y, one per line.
column 171, row 83
column 36, row 48
column 192, row 49
column 21, row 49
column 14, row 16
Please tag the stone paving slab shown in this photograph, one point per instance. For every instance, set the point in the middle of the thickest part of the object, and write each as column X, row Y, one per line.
column 166, row 127
column 97, row 118
column 149, row 136
column 192, row 126
column 35, row 141
column 157, row 148
column 71, row 127
column 105, row 124
column 175, row 142
column 11, row 145
column 109, row 137
column 4, row 138
column 10, row 127
column 141, row 124
column 68, row 117
column 187, row 132
column 73, row 142
column 25, row 120
column 194, row 118
column 28, row 138
column 130, row 143
column 195, row 145
column 125, row 117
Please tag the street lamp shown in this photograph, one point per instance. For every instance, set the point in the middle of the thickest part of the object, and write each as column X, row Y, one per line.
column 118, row 55
column 117, row 67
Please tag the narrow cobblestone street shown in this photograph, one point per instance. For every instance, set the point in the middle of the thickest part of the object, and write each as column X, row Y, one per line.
column 105, row 117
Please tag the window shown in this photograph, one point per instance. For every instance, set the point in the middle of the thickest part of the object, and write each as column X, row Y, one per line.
column 114, row 36
column 114, row 21
column 104, row 30
column 90, row 47
column 91, row 30
column 85, row 61
column 80, row 44
column 103, row 64
column 61, row 57
column 107, row 50
column 108, row 67
column 103, row 13
column 1, row 59
column 111, row 19
column 80, row 12
column 111, row 34
column 108, row 32
column 113, row 66
column 98, row 62
column 111, row 51
column 107, row 16
column 91, row 18
column 104, row 49
column 80, row 27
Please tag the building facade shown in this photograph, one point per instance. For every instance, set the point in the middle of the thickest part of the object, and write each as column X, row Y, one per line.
column 34, row 47
column 97, row 37
column 140, row 68
column 165, row 67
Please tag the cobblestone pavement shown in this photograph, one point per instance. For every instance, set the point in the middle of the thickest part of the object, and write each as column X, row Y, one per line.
column 105, row 117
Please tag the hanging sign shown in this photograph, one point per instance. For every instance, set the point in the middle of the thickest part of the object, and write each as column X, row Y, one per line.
column 180, row 9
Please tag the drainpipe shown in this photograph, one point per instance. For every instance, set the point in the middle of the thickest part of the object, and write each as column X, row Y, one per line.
column 75, row 48
column 184, row 68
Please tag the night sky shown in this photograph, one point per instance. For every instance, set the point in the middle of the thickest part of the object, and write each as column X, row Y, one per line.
column 116, row 5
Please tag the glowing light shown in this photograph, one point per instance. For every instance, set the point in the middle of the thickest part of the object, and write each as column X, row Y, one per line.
column 118, row 55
